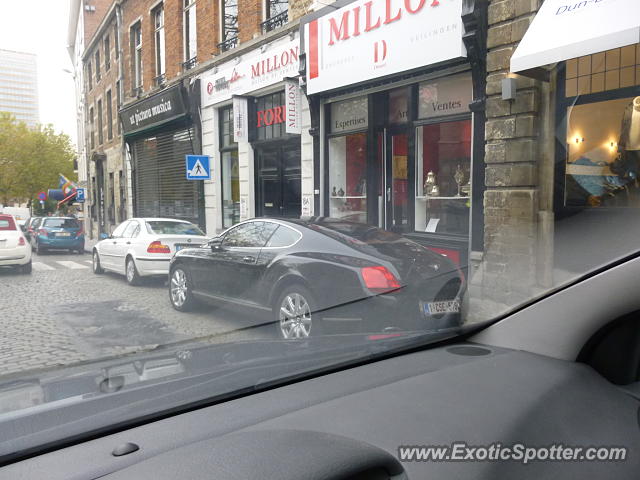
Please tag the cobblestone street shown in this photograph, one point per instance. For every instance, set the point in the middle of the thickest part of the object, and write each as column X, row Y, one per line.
column 62, row 314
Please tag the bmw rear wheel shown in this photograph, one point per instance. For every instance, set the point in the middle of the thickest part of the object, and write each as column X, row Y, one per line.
column 97, row 269
column 294, row 310
column 133, row 278
column 180, row 290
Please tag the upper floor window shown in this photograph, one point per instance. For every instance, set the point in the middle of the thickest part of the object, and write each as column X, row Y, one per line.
column 158, row 25
column 190, row 33
column 91, row 128
column 116, row 41
column 89, row 75
column 107, row 53
column 229, row 32
column 100, row 133
column 136, row 55
column 97, row 61
column 277, row 13
column 109, row 115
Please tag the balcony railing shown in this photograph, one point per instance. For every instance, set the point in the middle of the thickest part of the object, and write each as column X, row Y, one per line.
column 275, row 22
column 228, row 44
column 136, row 91
column 189, row 64
column 160, row 80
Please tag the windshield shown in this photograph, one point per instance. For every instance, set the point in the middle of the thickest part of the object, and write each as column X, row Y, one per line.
column 365, row 183
column 172, row 228
column 61, row 223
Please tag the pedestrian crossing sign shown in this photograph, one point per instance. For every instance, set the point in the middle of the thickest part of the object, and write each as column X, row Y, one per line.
column 198, row 167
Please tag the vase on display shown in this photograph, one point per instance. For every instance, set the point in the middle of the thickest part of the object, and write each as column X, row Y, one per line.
column 430, row 183
column 341, row 192
column 459, row 178
column 333, row 192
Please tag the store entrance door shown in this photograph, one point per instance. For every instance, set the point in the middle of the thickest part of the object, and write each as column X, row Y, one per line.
column 395, row 174
column 278, row 183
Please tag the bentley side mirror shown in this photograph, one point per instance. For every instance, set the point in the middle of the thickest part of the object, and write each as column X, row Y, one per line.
column 215, row 244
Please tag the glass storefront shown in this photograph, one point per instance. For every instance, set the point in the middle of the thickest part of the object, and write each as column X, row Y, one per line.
column 420, row 166
column 348, row 160
column 602, row 125
column 443, row 169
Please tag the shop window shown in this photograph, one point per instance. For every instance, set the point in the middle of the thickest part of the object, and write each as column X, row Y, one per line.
column 443, row 165
column 347, row 177
column 270, row 117
column 229, row 170
column 604, row 71
column 603, row 154
column 348, row 160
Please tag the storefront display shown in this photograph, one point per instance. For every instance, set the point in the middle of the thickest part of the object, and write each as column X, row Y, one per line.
column 229, row 170
column 602, row 122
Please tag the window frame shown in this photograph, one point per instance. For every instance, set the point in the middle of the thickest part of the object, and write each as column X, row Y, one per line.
column 92, row 127
column 100, row 122
column 107, row 52
column 189, row 9
column 97, row 62
column 109, row 100
column 241, row 225
column 224, row 37
column 159, row 40
column 136, row 55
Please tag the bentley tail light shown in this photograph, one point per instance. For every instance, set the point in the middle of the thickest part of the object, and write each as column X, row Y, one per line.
column 379, row 279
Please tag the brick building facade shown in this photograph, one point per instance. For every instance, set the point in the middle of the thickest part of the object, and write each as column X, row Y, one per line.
column 106, row 170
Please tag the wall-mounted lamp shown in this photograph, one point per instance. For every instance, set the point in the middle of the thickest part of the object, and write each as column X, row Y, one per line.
column 238, row 60
column 263, row 48
column 578, row 140
column 509, row 88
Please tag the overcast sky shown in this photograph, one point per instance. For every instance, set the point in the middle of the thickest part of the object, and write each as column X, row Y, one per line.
column 40, row 27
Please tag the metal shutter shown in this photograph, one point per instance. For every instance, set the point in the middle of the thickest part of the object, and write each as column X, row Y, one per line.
column 162, row 189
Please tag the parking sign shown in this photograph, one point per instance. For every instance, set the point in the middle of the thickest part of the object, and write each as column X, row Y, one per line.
column 80, row 195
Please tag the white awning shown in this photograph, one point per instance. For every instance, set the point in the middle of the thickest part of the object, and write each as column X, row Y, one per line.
column 564, row 29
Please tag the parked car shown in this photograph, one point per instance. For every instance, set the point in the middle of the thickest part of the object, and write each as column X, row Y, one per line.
column 33, row 231
column 14, row 248
column 142, row 247
column 29, row 227
column 64, row 233
column 321, row 275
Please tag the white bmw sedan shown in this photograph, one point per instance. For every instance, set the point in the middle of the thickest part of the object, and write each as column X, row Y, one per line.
column 142, row 247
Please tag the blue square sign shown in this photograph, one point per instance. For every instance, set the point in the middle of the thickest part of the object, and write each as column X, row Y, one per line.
column 80, row 195
column 198, row 167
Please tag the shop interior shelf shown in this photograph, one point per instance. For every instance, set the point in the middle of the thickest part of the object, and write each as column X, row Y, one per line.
column 423, row 197
column 347, row 197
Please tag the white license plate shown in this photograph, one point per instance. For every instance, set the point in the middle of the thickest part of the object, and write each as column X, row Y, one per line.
column 448, row 306
column 63, row 234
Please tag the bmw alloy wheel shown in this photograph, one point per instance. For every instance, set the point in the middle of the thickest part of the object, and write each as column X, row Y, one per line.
column 295, row 316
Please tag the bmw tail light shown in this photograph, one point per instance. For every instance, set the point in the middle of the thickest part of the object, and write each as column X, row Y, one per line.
column 21, row 242
column 158, row 247
column 379, row 279
column 42, row 232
